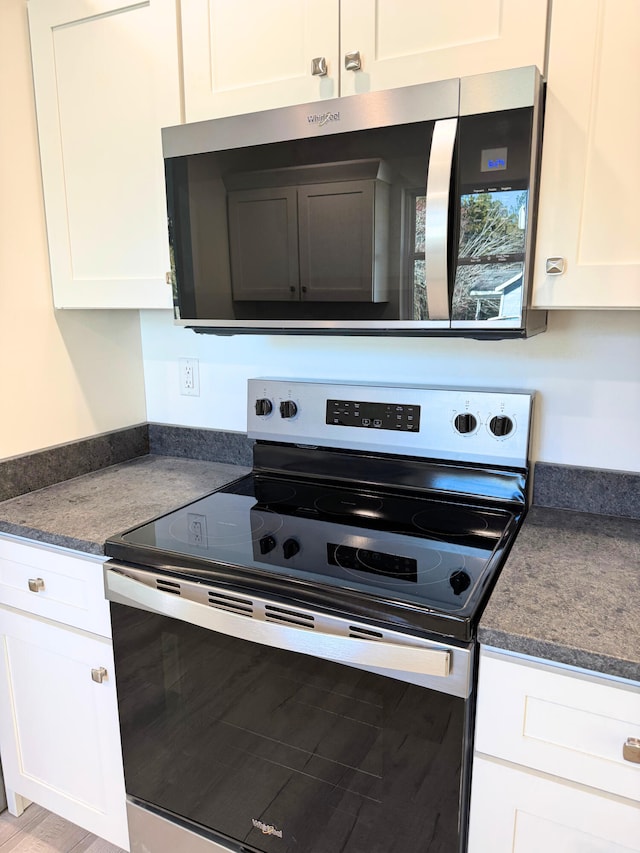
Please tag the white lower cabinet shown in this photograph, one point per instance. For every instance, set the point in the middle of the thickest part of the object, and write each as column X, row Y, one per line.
column 59, row 732
column 549, row 770
column 517, row 811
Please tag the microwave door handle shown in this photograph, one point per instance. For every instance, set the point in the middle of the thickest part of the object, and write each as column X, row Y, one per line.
column 436, row 220
column 122, row 589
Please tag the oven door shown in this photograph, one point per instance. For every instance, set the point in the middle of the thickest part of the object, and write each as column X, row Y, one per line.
column 249, row 725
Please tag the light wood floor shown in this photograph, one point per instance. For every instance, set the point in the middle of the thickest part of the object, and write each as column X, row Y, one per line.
column 39, row 831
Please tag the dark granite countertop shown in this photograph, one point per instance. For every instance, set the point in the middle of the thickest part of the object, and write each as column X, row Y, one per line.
column 83, row 512
column 570, row 592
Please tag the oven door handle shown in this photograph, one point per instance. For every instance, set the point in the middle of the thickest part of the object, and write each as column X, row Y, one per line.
column 420, row 658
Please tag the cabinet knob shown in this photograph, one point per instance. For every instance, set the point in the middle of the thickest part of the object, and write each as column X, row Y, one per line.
column 554, row 266
column 631, row 750
column 319, row 66
column 353, row 61
column 99, row 675
column 36, row 584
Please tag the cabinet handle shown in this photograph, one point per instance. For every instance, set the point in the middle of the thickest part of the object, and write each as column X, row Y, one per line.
column 631, row 750
column 353, row 61
column 554, row 266
column 99, row 675
column 319, row 66
column 36, row 584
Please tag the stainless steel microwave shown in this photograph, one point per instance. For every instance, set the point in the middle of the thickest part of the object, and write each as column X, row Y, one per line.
column 402, row 212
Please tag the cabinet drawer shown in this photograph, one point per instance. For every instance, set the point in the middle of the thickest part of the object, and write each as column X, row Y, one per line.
column 71, row 592
column 560, row 722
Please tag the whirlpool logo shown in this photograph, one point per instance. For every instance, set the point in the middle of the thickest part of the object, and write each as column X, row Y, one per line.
column 323, row 118
column 266, row 828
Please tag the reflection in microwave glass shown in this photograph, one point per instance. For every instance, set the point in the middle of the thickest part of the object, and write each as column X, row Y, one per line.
column 373, row 562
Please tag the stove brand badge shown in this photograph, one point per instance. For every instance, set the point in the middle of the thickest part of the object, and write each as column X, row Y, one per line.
column 323, row 118
column 266, row 828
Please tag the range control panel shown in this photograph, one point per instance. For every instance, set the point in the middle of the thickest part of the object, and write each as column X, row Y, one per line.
column 475, row 425
column 356, row 413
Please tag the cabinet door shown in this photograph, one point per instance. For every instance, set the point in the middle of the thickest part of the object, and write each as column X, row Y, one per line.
column 590, row 181
column 59, row 733
column 106, row 80
column 337, row 232
column 250, row 55
column 559, row 722
column 263, row 240
column 514, row 811
column 418, row 41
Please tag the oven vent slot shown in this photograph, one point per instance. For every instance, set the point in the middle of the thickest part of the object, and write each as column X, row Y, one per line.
column 364, row 633
column 165, row 585
column 290, row 617
column 231, row 603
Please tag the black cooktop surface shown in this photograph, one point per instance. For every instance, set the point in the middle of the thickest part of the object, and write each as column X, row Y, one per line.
column 417, row 552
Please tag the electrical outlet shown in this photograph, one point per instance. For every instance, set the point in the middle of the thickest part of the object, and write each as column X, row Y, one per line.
column 189, row 377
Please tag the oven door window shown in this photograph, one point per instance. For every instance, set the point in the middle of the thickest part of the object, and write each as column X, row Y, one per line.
column 281, row 751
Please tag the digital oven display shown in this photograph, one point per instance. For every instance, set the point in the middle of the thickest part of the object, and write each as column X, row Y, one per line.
column 399, row 417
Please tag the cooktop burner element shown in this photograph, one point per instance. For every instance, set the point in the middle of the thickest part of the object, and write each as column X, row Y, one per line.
column 442, row 523
column 411, row 527
column 361, row 506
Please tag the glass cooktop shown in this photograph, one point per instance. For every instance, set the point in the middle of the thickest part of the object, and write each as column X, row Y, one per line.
column 415, row 549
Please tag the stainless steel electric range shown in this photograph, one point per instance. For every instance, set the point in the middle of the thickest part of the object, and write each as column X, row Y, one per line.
column 296, row 652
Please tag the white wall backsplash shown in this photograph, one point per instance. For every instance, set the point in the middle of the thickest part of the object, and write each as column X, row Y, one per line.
column 585, row 368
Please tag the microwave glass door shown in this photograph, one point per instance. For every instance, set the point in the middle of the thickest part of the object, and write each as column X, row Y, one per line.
column 320, row 230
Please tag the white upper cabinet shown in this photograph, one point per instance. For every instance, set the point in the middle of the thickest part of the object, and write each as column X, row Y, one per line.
column 249, row 55
column 590, row 183
column 106, row 79
column 252, row 55
column 418, row 41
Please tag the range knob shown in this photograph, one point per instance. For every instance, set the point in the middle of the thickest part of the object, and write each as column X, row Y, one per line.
column 263, row 406
column 501, row 425
column 465, row 423
column 288, row 409
column 290, row 547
